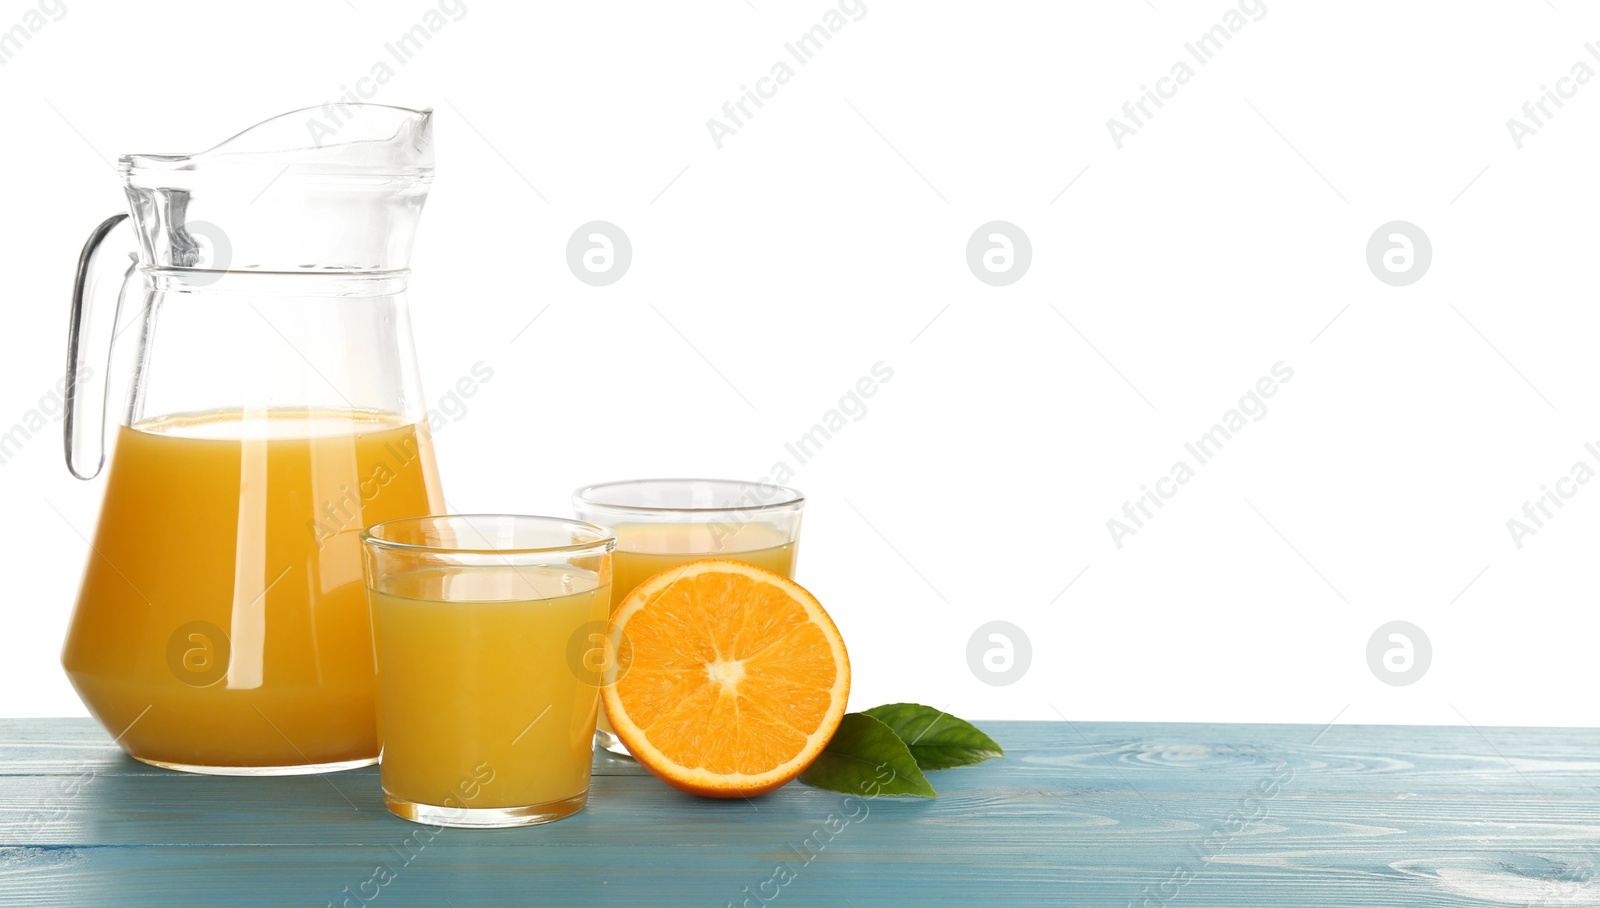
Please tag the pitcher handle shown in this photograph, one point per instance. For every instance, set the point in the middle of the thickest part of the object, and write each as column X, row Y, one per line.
column 89, row 340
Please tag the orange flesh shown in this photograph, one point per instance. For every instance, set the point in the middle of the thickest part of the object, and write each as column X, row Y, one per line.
column 783, row 663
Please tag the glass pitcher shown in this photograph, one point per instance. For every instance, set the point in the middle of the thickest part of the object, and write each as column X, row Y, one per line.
column 274, row 411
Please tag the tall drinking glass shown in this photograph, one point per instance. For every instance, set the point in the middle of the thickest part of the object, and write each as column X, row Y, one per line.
column 662, row 523
column 487, row 689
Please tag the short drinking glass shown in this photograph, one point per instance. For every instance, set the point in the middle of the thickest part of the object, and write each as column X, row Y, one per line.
column 487, row 692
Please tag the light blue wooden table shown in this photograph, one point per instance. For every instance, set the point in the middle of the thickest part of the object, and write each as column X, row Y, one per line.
column 1076, row 814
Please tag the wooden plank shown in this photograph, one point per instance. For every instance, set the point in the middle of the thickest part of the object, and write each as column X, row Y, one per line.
column 860, row 871
column 62, row 746
column 1079, row 814
column 1178, row 757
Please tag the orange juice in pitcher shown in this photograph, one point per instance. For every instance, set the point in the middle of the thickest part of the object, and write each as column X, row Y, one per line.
column 262, row 621
column 275, row 411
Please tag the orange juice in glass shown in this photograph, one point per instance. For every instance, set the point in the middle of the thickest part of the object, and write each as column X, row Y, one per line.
column 488, row 682
column 662, row 523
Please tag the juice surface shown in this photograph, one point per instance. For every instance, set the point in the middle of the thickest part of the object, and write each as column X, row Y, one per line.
column 486, row 701
column 222, row 622
column 644, row 550
column 647, row 549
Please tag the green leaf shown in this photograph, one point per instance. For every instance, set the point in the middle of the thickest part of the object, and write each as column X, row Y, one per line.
column 866, row 758
column 936, row 739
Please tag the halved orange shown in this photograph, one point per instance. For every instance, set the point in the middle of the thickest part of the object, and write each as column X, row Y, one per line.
column 728, row 679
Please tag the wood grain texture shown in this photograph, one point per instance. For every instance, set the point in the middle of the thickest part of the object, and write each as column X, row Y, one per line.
column 1100, row 814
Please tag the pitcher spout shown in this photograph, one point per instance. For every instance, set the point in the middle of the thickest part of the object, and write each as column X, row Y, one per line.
column 333, row 188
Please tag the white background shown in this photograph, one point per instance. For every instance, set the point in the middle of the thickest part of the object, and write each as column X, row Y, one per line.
column 829, row 234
